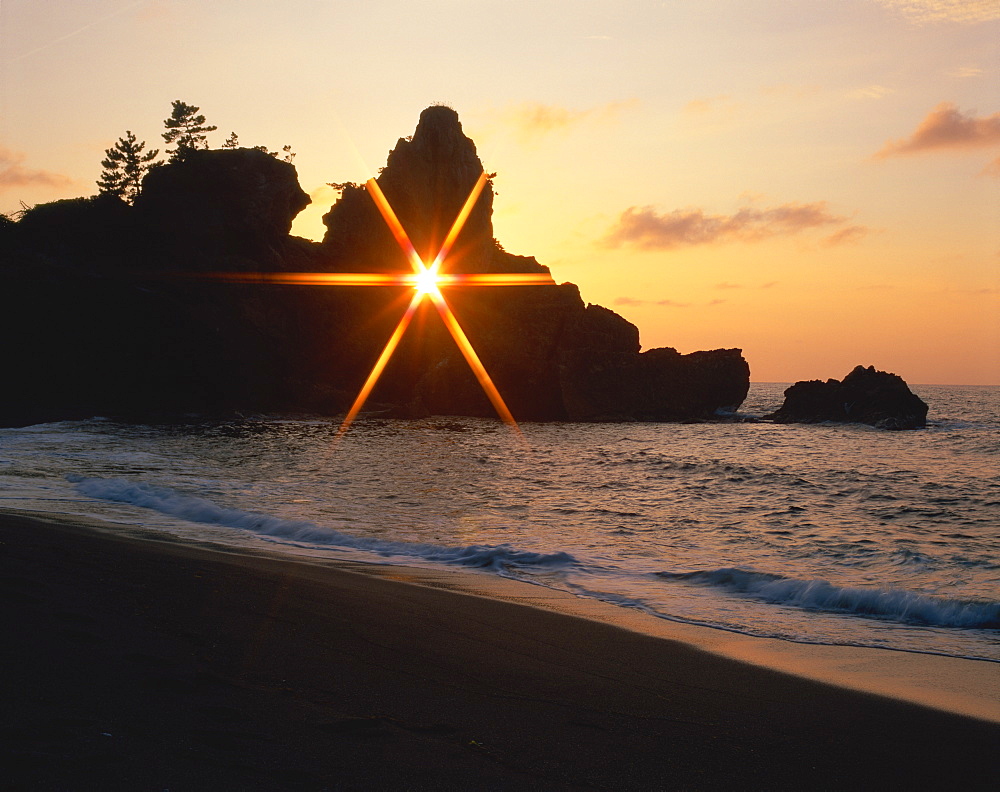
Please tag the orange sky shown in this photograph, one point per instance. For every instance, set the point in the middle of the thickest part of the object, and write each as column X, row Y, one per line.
column 816, row 183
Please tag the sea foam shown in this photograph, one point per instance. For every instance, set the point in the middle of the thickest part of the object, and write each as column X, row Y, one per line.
column 200, row 510
column 886, row 602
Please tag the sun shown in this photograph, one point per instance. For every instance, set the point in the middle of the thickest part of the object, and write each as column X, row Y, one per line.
column 426, row 282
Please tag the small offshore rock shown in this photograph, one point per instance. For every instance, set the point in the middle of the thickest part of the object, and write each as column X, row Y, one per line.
column 867, row 396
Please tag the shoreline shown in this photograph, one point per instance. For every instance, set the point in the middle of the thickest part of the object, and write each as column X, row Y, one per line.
column 960, row 685
column 148, row 662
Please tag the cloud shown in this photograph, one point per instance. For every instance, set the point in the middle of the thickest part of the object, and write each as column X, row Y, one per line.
column 14, row 174
column 965, row 71
column 873, row 91
column 645, row 229
column 532, row 120
column 926, row 12
column 846, row 235
column 946, row 127
column 631, row 302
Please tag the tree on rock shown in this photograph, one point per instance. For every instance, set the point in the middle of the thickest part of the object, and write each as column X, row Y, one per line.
column 186, row 129
column 125, row 165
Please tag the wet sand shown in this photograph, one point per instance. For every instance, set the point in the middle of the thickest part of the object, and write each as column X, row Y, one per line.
column 133, row 665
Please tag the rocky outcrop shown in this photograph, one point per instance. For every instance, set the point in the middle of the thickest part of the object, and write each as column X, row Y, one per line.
column 604, row 377
column 102, row 312
column 427, row 179
column 865, row 396
column 552, row 356
column 235, row 202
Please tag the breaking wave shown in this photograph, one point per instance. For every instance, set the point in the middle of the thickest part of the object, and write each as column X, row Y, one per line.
column 195, row 509
column 892, row 603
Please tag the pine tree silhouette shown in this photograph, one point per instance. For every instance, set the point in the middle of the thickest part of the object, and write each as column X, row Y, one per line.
column 125, row 165
column 186, row 129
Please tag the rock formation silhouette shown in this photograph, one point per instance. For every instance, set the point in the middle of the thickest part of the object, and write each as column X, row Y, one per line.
column 867, row 396
column 103, row 313
column 551, row 355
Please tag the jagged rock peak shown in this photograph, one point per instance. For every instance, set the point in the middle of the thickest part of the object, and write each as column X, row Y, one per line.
column 427, row 179
column 439, row 138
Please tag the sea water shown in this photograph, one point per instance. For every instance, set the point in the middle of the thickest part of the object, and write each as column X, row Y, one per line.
column 829, row 533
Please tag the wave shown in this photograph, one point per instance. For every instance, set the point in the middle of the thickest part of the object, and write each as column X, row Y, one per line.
column 200, row 510
column 887, row 602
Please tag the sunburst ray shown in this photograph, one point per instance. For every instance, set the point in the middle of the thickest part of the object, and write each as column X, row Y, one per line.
column 381, row 363
column 427, row 282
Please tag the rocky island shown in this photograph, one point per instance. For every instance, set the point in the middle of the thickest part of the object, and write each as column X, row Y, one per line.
column 103, row 313
column 867, row 396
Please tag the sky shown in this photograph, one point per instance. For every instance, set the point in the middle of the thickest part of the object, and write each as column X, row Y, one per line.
column 815, row 182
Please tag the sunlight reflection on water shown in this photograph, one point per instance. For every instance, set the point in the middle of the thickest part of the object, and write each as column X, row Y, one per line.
column 762, row 528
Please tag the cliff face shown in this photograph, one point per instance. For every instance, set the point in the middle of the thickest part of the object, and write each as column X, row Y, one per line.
column 101, row 316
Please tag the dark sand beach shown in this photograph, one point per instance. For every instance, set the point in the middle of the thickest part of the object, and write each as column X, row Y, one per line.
column 141, row 665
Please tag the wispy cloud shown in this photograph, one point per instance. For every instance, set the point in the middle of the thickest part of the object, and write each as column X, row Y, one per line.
column 645, row 229
column 993, row 169
column 871, row 92
column 965, row 71
column 925, row 12
column 14, row 174
column 532, row 120
column 846, row 235
column 632, row 302
column 946, row 127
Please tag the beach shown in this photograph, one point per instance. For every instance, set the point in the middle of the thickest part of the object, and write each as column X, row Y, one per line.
column 139, row 664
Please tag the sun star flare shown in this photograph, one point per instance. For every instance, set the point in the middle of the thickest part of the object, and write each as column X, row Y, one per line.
column 426, row 281
column 427, row 284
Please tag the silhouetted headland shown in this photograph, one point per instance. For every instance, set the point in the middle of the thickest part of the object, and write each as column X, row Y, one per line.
column 101, row 317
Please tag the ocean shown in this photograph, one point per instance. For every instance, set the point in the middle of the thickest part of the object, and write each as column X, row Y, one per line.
column 832, row 534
